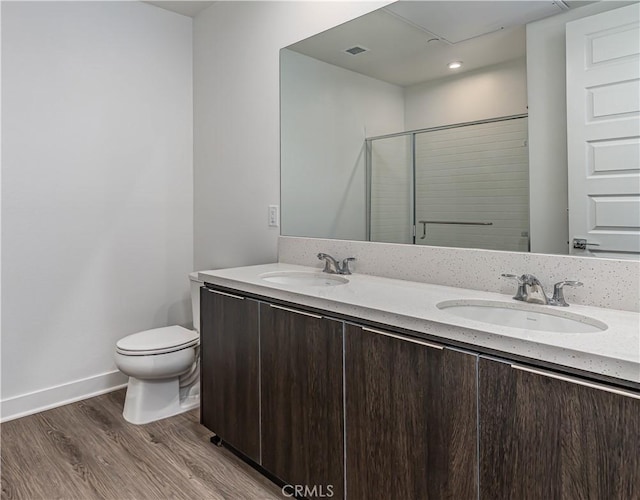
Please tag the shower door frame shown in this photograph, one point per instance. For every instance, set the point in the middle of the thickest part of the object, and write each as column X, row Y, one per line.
column 413, row 134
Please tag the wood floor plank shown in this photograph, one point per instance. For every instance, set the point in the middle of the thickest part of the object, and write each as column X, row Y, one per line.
column 44, row 454
column 87, row 451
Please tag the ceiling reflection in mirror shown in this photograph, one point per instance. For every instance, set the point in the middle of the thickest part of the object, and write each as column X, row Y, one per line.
column 383, row 141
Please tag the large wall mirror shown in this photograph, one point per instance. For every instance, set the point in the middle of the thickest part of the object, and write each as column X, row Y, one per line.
column 445, row 123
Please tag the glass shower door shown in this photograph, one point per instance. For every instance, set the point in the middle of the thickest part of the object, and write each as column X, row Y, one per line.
column 390, row 171
column 472, row 186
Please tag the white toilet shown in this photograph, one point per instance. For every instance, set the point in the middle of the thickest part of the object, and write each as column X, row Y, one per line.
column 163, row 366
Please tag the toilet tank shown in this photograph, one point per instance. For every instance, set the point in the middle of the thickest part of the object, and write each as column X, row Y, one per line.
column 195, row 299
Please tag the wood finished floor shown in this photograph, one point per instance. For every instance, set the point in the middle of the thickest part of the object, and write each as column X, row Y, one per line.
column 87, row 451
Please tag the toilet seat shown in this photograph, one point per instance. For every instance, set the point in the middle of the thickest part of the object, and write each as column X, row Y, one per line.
column 157, row 341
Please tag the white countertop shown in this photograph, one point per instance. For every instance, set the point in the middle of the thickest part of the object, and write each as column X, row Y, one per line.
column 614, row 352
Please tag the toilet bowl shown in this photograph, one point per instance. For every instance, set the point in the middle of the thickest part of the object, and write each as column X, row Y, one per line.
column 163, row 365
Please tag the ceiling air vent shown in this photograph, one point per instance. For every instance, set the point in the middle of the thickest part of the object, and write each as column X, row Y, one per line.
column 354, row 51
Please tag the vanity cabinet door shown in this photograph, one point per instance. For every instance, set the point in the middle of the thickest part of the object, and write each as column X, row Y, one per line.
column 302, row 405
column 546, row 436
column 410, row 418
column 229, row 367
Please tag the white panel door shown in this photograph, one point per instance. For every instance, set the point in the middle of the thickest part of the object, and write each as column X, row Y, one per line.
column 603, row 133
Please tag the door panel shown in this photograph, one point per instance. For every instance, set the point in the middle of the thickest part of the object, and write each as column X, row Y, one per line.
column 603, row 132
column 229, row 370
column 411, row 419
column 547, row 438
column 302, row 403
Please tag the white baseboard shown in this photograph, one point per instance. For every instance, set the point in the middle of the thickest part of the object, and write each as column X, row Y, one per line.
column 52, row 397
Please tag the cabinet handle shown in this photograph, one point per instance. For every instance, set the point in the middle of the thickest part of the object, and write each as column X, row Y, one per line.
column 577, row 381
column 413, row 341
column 296, row 311
column 225, row 294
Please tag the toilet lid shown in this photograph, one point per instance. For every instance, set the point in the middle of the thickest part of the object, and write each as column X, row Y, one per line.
column 157, row 341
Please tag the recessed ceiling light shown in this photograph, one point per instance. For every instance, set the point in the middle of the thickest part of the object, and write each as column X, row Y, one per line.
column 455, row 65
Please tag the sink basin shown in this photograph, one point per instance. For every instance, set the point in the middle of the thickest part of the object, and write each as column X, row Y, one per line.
column 302, row 278
column 522, row 315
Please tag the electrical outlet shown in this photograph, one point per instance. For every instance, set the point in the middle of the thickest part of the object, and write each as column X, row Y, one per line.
column 273, row 216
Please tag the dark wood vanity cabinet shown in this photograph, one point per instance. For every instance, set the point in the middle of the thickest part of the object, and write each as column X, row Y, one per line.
column 410, row 418
column 302, row 399
column 350, row 411
column 547, row 436
column 229, row 373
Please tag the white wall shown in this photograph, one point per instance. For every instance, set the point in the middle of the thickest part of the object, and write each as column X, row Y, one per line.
column 490, row 92
column 546, row 85
column 97, row 198
column 0, row 208
column 236, row 120
column 326, row 114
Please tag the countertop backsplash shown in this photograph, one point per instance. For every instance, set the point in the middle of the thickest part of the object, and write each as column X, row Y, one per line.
column 613, row 284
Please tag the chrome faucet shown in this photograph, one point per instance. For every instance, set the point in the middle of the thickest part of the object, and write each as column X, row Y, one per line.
column 332, row 266
column 531, row 290
column 534, row 291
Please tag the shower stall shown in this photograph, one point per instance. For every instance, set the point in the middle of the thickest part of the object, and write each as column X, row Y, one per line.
column 463, row 185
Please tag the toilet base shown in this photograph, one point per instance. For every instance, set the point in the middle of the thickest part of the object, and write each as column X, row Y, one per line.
column 150, row 400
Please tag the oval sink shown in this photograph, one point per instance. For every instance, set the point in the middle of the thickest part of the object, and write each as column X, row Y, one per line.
column 304, row 279
column 522, row 315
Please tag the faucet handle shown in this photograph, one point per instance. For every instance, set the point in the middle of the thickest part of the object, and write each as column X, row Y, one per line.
column 344, row 268
column 558, row 292
column 513, row 276
column 521, row 293
column 562, row 284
